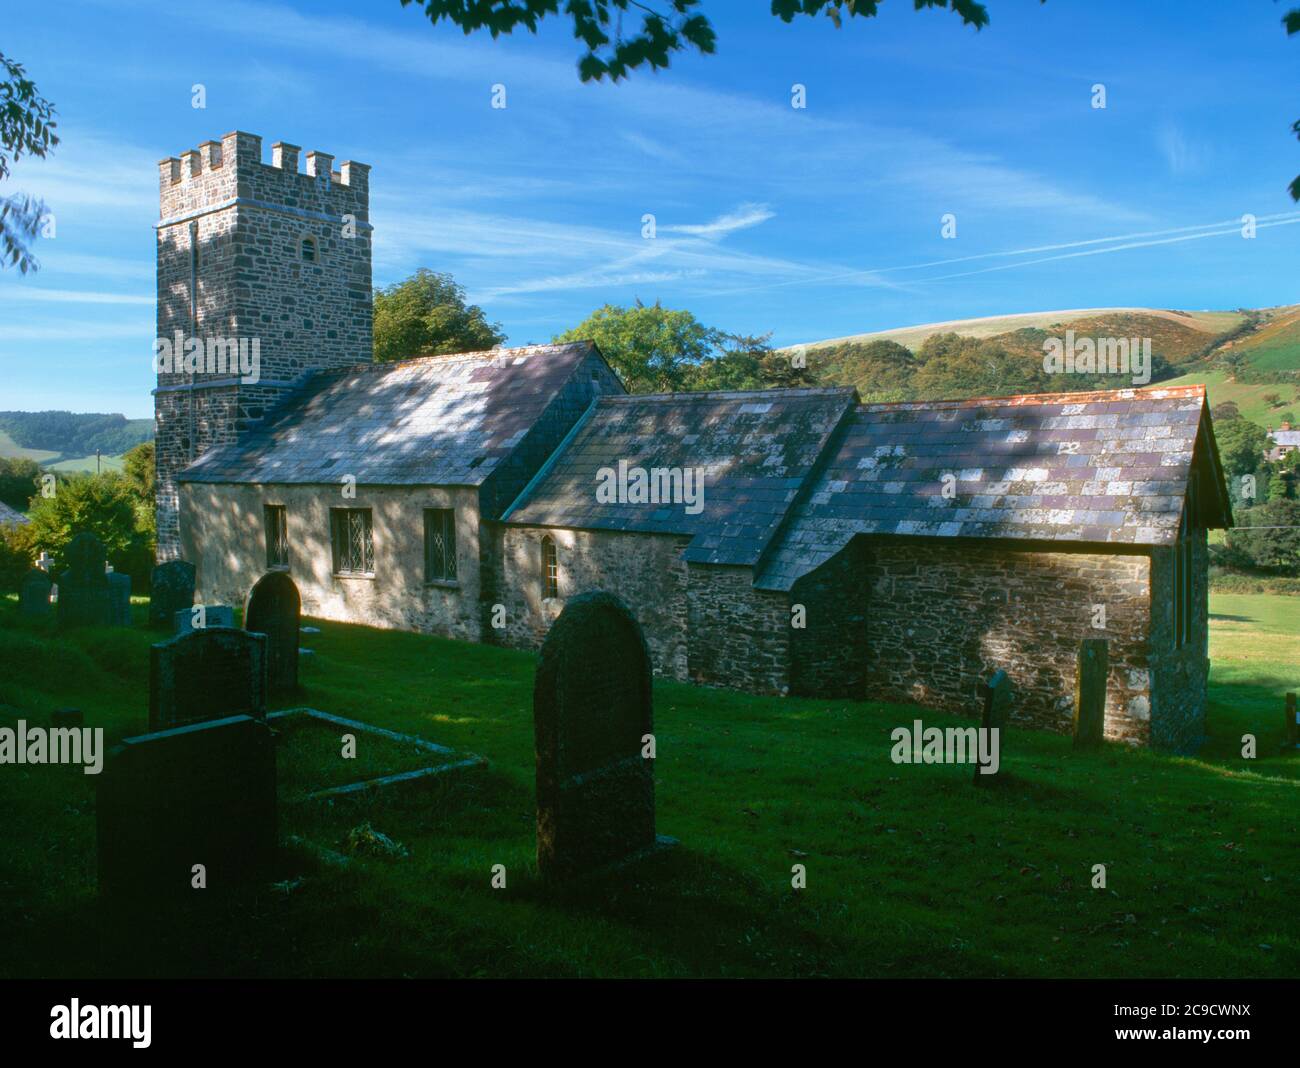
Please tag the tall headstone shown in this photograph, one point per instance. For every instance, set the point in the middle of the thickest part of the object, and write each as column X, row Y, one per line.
column 1090, row 693
column 119, row 598
column 592, row 717
column 83, row 585
column 274, row 608
column 207, row 674
column 171, row 588
column 997, row 708
column 34, row 594
column 204, row 794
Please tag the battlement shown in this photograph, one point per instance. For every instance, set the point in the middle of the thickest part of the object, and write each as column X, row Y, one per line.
column 219, row 171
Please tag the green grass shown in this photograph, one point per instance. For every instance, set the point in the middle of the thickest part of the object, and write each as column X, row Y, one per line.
column 1248, row 397
column 11, row 449
column 911, row 871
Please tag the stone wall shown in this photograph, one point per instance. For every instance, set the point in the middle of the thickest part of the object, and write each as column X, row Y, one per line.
column 246, row 220
column 222, row 533
column 1179, row 675
column 943, row 616
column 644, row 570
column 739, row 636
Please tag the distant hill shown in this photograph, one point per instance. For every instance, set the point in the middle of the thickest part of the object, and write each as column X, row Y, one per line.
column 68, row 441
column 1248, row 356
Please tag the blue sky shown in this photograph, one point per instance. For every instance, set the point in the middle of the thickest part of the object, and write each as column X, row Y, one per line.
column 807, row 223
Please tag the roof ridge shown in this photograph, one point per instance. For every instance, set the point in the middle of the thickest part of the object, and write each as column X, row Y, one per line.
column 737, row 394
column 484, row 354
column 1077, row 397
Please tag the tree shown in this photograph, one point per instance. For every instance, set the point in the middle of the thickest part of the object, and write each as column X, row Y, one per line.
column 26, row 127
column 19, row 481
column 138, row 470
column 1267, row 538
column 1241, row 447
column 653, row 348
column 678, row 25
column 1225, row 411
column 954, row 367
column 426, row 315
column 881, row 370
column 745, row 361
column 101, row 504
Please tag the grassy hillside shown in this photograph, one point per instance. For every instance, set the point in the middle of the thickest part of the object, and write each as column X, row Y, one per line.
column 1247, row 396
column 911, row 870
column 1184, row 328
column 68, row 441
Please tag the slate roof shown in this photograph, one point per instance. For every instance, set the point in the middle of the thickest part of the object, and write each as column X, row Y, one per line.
column 1105, row 467
column 756, row 449
column 434, row 420
column 1285, row 437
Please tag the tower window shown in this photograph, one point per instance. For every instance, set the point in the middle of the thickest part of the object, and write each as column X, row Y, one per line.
column 550, row 568
column 309, row 252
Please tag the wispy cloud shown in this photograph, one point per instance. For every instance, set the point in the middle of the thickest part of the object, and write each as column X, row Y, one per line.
column 742, row 218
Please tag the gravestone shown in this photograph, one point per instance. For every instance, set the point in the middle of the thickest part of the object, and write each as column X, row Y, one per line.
column 207, row 674
column 997, row 707
column 200, row 794
column 171, row 588
column 83, row 586
column 45, row 561
column 274, row 608
column 214, row 615
column 1090, row 693
column 34, row 594
column 592, row 709
column 119, row 598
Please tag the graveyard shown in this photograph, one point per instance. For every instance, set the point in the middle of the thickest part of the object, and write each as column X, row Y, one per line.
column 910, row 869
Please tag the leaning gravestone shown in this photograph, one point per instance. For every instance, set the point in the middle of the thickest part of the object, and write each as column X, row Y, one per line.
column 1090, row 693
column 83, row 586
column 201, row 794
column 34, row 595
column 171, row 587
column 207, row 674
column 119, row 598
column 274, row 608
column 592, row 711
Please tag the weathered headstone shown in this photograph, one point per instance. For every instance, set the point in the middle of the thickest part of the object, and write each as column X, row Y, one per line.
column 592, row 717
column 119, row 599
column 274, row 608
column 214, row 615
column 207, row 674
column 203, row 794
column 83, row 586
column 1090, row 693
column 171, row 588
column 997, row 706
column 34, row 594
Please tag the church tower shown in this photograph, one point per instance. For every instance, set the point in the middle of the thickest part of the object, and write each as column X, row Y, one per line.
column 263, row 278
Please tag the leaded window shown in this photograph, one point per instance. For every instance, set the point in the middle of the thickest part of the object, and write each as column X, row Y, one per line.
column 353, row 541
column 439, row 545
column 276, row 525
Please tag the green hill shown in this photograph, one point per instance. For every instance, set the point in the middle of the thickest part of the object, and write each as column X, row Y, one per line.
column 69, row 441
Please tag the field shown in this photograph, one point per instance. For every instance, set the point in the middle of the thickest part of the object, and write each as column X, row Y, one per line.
column 911, row 871
column 1248, row 397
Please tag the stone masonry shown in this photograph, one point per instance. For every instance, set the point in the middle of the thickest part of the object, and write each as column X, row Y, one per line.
column 231, row 239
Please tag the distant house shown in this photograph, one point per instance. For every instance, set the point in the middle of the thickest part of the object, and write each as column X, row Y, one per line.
column 787, row 541
column 1284, row 441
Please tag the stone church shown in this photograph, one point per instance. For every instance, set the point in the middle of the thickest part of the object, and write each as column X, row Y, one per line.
column 778, row 541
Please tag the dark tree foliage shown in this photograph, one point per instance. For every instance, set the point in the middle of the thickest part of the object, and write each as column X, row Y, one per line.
column 76, row 433
column 427, row 315
column 19, row 481
column 26, row 128
column 665, row 27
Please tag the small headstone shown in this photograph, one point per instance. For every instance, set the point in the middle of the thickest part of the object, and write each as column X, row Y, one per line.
column 34, row 594
column 171, row 588
column 207, row 674
column 119, row 599
column 83, row 586
column 274, row 608
column 214, row 615
column 592, row 713
column 1090, row 693
column 45, row 561
column 997, row 705
column 202, row 794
